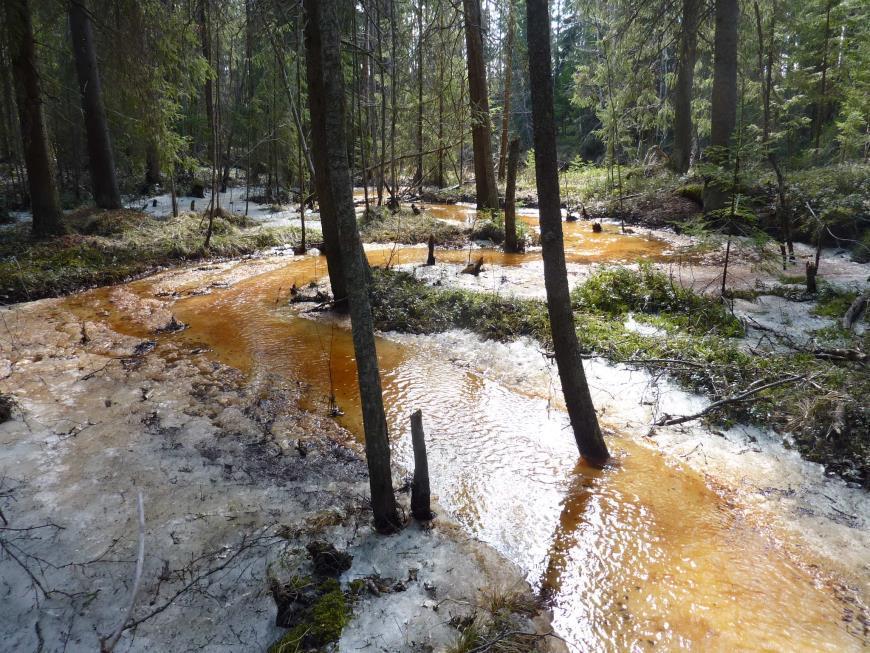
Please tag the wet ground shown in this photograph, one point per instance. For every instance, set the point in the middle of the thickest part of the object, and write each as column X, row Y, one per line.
column 688, row 540
column 648, row 552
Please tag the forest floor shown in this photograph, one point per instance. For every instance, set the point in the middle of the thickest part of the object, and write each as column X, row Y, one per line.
column 236, row 479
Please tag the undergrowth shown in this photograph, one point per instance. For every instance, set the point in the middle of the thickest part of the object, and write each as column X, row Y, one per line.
column 105, row 247
column 380, row 225
column 825, row 411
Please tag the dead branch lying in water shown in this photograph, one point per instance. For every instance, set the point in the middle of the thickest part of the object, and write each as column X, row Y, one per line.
column 746, row 395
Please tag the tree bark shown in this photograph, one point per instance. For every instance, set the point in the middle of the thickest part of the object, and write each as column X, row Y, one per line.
column 44, row 198
column 152, row 165
column 323, row 48
column 484, row 173
column 584, row 421
column 421, row 507
column 418, row 175
column 325, row 198
column 723, row 112
column 510, row 199
column 205, row 41
column 101, row 161
column 682, row 153
column 506, row 105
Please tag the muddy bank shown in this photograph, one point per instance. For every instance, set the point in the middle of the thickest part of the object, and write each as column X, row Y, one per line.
column 236, row 479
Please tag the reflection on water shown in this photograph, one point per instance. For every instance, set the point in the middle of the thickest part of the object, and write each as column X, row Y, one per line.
column 642, row 554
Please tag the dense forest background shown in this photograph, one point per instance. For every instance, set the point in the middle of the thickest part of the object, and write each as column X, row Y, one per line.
column 195, row 83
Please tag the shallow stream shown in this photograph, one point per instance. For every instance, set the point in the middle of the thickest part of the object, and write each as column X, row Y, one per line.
column 645, row 554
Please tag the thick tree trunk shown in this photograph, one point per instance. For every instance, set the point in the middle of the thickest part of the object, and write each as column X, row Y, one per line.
column 44, row 198
column 325, row 198
column 323, row 49
column 484, row 173
column 506, row 105
column 723, row 112
column 510, row 199
column 682, row 154
column 584, row 422
column 104, row 183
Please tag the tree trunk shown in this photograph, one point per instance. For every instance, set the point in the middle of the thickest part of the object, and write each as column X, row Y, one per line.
column 104, row 183
column 723, row 112
column 418, row 176
column 325, row 198
column 510, row 199
column 508, row 78
column 205, row 40
column 484, row 174
column 584, row 422
column 44, row 198
column 323, row 48
column 152, row 165
column 682, row 153
column 421, row 507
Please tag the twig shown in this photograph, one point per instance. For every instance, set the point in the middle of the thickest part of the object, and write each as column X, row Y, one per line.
column 107, row 646
column 667, row 420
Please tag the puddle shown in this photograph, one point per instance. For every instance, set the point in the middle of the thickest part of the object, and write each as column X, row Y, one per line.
column 644, row 554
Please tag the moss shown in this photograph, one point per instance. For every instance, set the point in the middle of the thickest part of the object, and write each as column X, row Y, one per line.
column 492, row 230
column 694, row 192
column 833, row 303
column 107, row 247
column 321, row 623
column 402, row 303
column 618, row 291
column 379, row 225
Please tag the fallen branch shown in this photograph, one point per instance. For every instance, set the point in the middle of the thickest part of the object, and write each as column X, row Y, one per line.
column 855, row 309
column 108, row 645
column 668, row 420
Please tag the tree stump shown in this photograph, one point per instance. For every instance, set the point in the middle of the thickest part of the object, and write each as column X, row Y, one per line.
column 421, row 507
column 811, row 277
column 430, row 259
column 192, row 206
column 596, row 227
column 474, row 268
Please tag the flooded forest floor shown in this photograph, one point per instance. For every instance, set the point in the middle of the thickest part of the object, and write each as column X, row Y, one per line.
column 208, row 389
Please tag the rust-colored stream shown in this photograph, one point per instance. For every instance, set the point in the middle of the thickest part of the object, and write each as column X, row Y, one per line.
column 642, row 555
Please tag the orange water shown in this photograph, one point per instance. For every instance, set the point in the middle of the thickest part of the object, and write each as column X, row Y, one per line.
column 642, row 555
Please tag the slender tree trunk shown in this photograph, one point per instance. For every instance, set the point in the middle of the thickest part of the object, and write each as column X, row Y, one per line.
column 100, row 159
column 44, row 198
column 508, row 78
column 723, row 112
column 682, row 153
column 510, row 198
column 152, row 165
column 569, row 362
column 439, row 179
column 207, row 90
column 323, row 48
column 418, row 176
column 823, row 83
column 484, row 174
column 317, row 105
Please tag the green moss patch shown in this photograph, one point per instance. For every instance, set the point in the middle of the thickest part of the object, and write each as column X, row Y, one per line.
column 109, row 246
column 379, row 225
column 323, row 612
